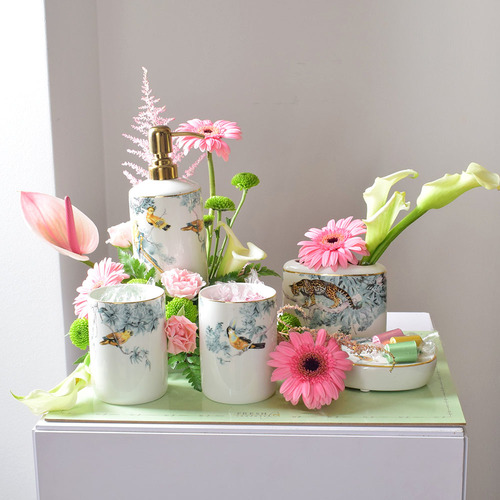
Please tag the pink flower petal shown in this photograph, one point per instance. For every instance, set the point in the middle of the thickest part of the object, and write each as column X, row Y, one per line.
column 104, row 273
column 70, row 227
column 46, row 215
column 316, row 386
column 321, row 337
column 333, row 245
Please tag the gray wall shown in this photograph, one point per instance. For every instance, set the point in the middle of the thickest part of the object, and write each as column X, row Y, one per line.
column 329, row 94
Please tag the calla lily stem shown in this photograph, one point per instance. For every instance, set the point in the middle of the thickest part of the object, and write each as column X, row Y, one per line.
column 415, row 214
column 218, row 259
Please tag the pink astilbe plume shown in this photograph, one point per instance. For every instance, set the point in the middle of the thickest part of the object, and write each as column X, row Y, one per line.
column 190, row 171
column 150, row 115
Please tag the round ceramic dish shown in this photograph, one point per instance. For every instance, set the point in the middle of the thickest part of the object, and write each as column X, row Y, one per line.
column 402, row 377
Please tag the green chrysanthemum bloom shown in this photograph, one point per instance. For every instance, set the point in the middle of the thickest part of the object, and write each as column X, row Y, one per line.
column 177, row 303
column 287, row 321
column 79, row 333
column 208, row 220
column 245, row 180
column 221, row 203
column 137, row 281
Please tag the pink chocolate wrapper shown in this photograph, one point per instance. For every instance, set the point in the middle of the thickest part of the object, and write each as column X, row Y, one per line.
column 384, row 338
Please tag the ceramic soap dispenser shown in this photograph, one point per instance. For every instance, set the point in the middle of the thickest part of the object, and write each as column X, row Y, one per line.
column 166, row 212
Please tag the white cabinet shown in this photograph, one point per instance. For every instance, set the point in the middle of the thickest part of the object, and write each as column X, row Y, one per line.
column 408, row 445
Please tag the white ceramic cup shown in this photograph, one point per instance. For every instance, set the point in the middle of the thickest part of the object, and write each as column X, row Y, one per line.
column 236, row 339
column 351, row 300
column 128, row 347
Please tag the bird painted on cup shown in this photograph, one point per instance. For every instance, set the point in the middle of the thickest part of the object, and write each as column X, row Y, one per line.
column 116, row 338
column 242, row 343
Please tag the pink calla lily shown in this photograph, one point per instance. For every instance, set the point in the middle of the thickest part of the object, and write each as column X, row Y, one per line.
column 60, row 224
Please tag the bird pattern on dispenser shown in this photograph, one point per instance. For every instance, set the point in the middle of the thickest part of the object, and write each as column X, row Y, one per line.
column 177, row 216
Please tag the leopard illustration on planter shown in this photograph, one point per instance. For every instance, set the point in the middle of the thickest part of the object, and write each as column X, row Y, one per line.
column 351, row 300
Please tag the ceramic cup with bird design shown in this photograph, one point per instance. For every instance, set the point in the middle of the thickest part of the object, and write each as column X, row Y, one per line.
column 236, row 338
column 128, row 346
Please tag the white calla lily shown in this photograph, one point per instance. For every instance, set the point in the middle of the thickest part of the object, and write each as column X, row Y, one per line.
column 61, row 397
column 236, row 255
column 438, row 193
column 376, row 195
column 379, row 225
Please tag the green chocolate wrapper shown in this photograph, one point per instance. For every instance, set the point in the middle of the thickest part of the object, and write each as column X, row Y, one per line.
column 403, row 352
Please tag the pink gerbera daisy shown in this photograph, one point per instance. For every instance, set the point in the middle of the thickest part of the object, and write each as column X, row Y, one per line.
column 315, row 371
column 213, row 132
column 103, row 273
column 334, row 244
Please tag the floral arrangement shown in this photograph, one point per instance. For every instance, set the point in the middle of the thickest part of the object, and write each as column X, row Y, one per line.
column 339, row 244
column 73, row 234
column 311, row 363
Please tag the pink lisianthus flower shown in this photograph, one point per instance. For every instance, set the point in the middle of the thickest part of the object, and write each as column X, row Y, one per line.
column 213, row 132
column 182, row 283
column 120, row 235
column 313, row 370
column 181, row 335
column 103, row 273
column 334, row 245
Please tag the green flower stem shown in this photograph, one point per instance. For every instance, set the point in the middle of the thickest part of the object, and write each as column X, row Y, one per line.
column 210, row 234
column 416, row 213
column 211, row 180
column 218, row 261
column 211, row 176
column 230, row 224
column 211, row 274
column 233, row 218
column 89, row 263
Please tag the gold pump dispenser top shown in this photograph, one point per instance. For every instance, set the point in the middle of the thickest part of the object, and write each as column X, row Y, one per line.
column 160, row 144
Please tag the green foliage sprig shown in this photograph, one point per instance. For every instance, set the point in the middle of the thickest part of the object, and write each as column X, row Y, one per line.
column 133, row 267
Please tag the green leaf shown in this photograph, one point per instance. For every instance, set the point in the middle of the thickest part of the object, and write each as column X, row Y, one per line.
column 262, row 270
column 132, row 266
column 175, row 360
column 80, row 359
column 150, row 274
column 193, row 375
column 233, row 276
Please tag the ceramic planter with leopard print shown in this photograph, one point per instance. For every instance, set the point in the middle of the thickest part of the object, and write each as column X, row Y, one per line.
column 351, row 300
